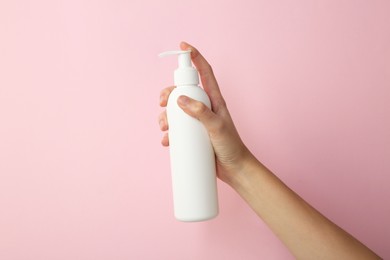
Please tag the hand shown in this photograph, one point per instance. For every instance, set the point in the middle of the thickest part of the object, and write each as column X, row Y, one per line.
column 229, row 149
column 291, row 218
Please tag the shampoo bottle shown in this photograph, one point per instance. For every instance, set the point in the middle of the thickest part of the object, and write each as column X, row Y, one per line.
column 192, row 156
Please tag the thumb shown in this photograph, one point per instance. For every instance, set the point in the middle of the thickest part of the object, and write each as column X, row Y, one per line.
column 198, row 110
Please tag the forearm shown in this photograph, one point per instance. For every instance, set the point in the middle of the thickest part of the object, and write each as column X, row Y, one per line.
column 307, row 233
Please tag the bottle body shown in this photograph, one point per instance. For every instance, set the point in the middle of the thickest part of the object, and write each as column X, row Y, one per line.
column 192, row 160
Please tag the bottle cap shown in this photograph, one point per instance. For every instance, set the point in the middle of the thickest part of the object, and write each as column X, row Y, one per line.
column 185, row 74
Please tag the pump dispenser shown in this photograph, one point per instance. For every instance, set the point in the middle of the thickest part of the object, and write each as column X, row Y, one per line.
column 185, row 74
column 191, row 153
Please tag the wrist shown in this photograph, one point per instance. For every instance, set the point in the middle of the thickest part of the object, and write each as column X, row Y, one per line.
column 245, row 175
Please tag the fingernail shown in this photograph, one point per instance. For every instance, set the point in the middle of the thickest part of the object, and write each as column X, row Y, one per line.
column 183, row 100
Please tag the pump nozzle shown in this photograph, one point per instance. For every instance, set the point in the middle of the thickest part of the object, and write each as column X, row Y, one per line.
column 185, row 74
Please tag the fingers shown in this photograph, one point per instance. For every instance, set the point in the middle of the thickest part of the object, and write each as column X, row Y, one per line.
column 200, row 111
column 207, row 77
column 162, row 118
column 165, row 140
column 164, row 95
column 162, row 121
column 192, row 107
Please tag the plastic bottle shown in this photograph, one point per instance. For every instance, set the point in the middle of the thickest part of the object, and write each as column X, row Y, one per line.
column 191, row 153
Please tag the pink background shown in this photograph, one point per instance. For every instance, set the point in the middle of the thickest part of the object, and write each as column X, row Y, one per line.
column 82, row 171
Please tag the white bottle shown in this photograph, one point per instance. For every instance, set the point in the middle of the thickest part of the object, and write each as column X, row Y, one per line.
column 192, row 155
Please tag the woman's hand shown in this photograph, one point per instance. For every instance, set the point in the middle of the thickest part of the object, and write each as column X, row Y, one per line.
column 230, row 151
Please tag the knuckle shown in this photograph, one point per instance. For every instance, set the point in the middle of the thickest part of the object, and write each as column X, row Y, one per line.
column 199, row 107
column 162, row 121
column 166, row 91
column 222, row 103
column 210, row 69
column 162, row 92
column 161, row 116
column 206, row 71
